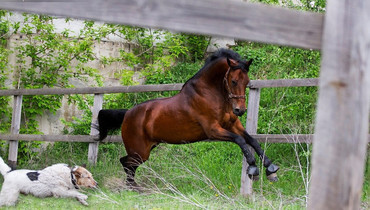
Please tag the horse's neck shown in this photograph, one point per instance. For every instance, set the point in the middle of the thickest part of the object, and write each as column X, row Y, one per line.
column 214, row 76
column 210, row 80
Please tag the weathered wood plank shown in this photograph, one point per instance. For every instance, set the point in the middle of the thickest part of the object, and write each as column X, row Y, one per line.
column 235, row 19
column 283, row 83
column 262, row 138
column 93, row 90
column 52, row 138
column 16, row 123
column 251, row 127
column 151, row 88
column 93, row 147
column 342, row 122
column 285, row 138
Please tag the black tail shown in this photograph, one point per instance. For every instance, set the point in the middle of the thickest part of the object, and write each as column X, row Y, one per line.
column 109, row 119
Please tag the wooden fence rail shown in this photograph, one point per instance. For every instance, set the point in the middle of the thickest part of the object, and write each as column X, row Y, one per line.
column 151, row 88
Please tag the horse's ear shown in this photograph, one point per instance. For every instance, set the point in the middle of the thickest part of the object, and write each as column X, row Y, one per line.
column 228, row 61
column 249, row 62
column 231, row 62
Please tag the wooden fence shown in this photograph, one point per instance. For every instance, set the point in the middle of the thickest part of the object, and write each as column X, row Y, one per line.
column 252, row 115
column 343, row 35
column 251, row 123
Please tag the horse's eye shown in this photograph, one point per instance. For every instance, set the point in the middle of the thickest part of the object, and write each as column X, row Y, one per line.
column 234, row 83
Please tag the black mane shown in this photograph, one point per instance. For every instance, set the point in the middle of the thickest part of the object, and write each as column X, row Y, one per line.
column 221, row 53
column 225, row 53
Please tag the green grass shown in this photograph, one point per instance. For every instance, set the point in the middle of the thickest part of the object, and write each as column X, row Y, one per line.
column 194, row 176
column 132, row 200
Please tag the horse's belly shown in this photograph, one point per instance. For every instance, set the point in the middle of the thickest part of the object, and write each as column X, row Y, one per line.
column 176, row 132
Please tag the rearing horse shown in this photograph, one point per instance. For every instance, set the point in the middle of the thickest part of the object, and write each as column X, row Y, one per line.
column 207, row 107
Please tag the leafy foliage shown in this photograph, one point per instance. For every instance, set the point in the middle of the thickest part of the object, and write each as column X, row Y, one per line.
column 44, row 59
column 157, row 50
column 5, row 111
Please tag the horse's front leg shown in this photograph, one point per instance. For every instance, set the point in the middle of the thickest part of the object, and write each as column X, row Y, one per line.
column 252, row 169
column 271, row 168
column 219, row 133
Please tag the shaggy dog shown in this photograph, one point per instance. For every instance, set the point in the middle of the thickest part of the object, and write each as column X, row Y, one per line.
column 57, row 180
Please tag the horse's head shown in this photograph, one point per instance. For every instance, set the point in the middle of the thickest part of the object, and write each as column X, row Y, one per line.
column 236, row 81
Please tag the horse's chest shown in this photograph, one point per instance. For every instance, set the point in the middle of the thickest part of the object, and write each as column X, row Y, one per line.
column 228, row 120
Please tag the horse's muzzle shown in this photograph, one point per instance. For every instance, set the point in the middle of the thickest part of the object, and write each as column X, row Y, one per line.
column 238, row 112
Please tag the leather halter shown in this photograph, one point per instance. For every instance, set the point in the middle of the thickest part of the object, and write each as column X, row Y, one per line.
column 229, row 93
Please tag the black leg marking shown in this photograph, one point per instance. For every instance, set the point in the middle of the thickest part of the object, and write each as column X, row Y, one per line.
column 123, row 160
column 244, row 147
column 33, row 176
column 256, row 146
column 130, row 165
column 252, row 169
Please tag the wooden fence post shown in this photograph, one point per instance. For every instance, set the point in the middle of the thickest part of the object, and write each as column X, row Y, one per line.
column 342, row 119
column 93, row 147
column 251, row 127
column 16, row 122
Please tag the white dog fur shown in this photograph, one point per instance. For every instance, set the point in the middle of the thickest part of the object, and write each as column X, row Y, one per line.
column 57, row 180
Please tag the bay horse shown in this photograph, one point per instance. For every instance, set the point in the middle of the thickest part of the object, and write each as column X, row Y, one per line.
column 206, row 108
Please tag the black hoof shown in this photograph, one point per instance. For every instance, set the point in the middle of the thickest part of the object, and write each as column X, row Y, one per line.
column 271, row 169
column 271, row 172
column 253, row 172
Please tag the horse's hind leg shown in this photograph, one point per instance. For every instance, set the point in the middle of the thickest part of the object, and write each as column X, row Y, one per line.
column 133, row 160
column 130, row 164
column 271, row 168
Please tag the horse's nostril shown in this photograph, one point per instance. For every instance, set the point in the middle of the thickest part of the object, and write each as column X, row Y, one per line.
column 236, row 111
